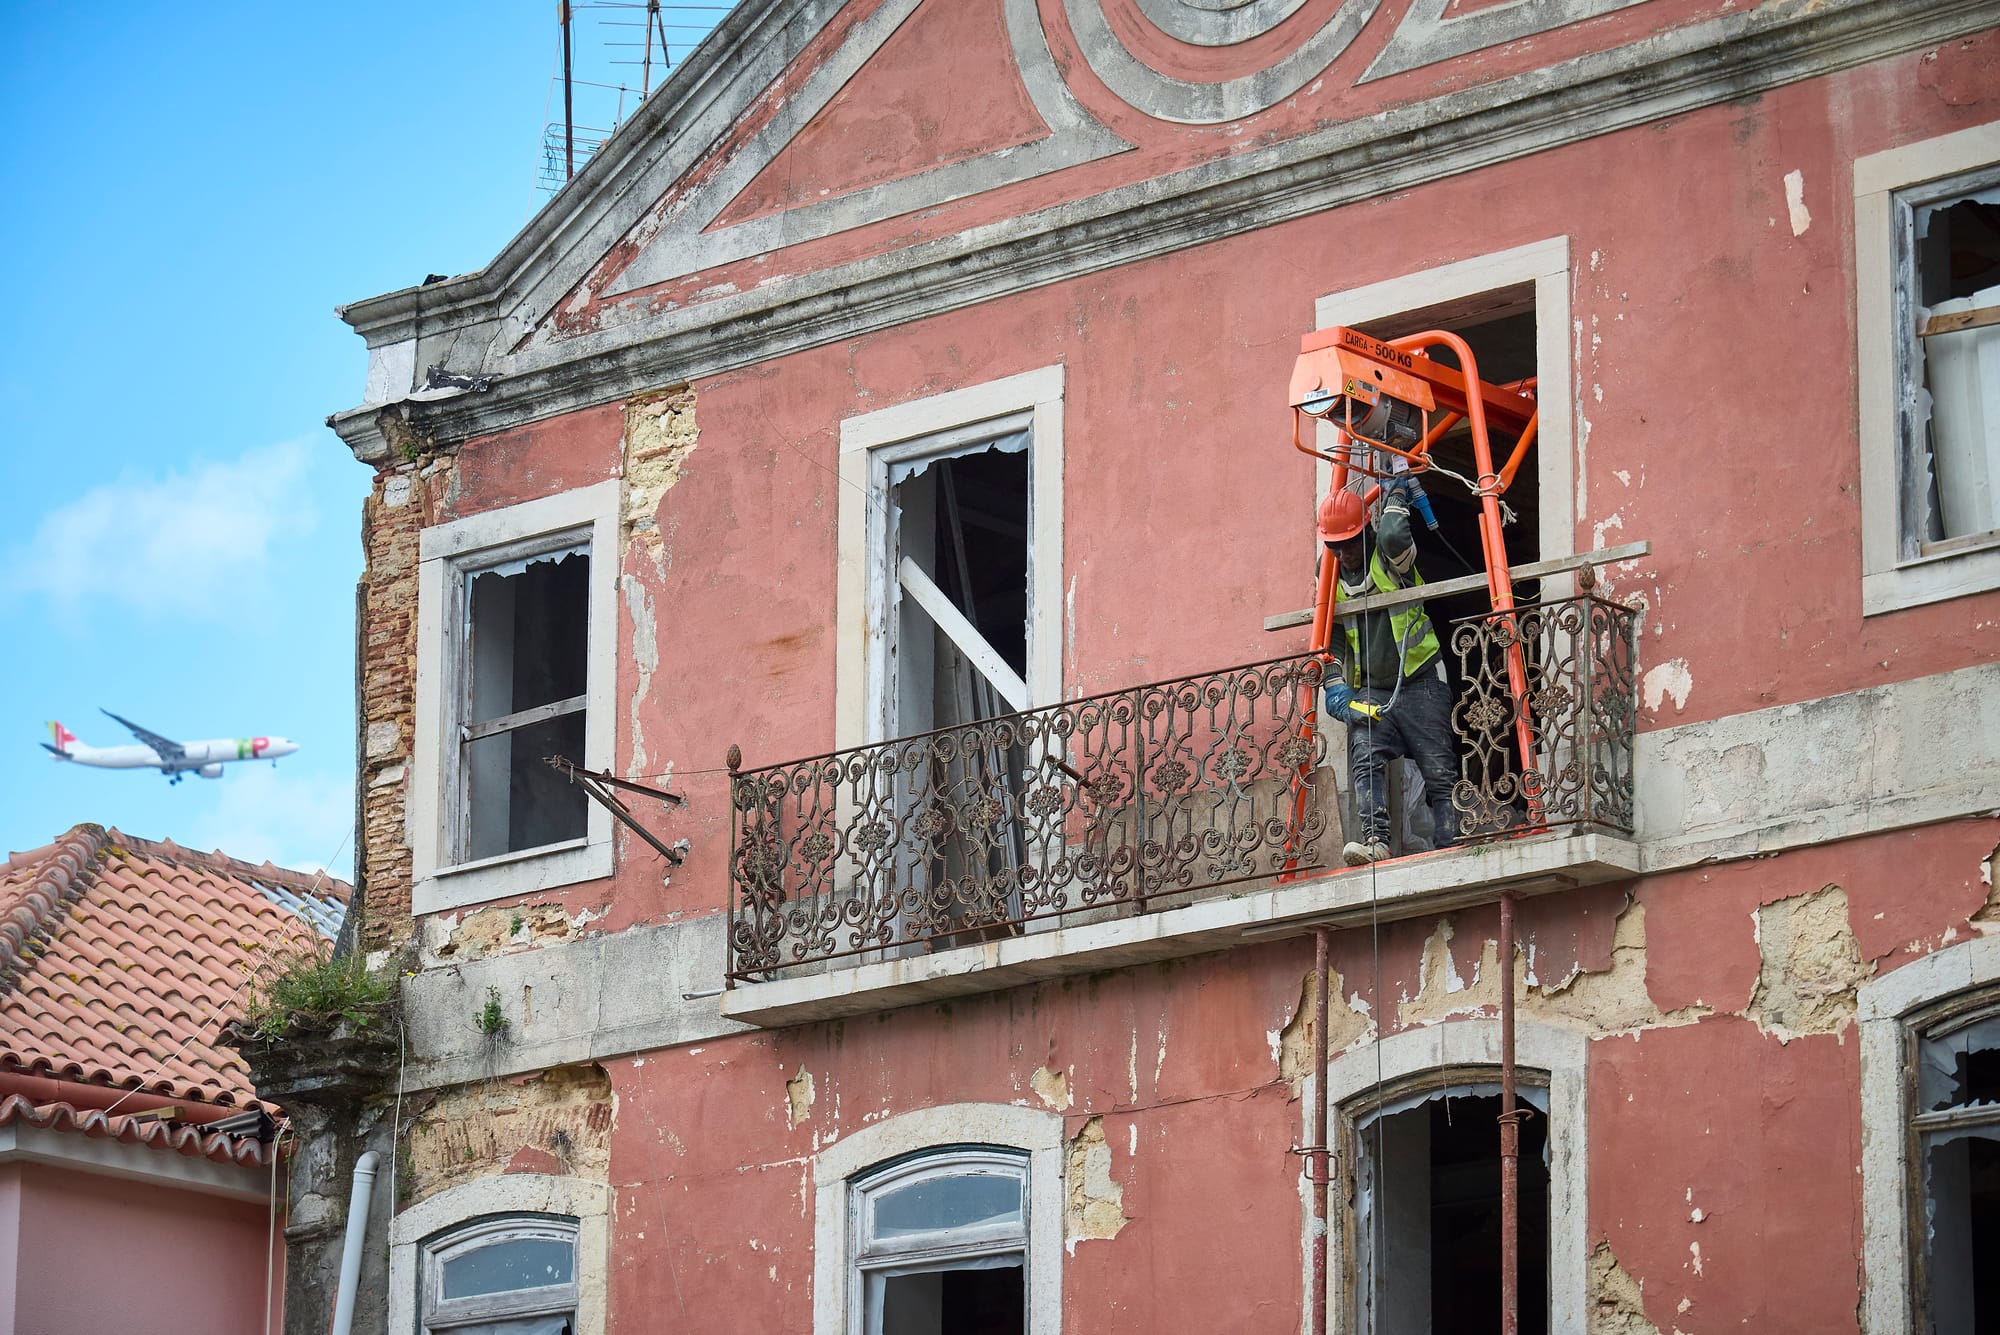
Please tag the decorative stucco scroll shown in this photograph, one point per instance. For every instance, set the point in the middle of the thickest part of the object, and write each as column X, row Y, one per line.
column 1213, row 23
column 1426, row 36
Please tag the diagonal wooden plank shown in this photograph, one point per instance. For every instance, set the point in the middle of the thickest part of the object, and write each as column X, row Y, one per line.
column 970, row 642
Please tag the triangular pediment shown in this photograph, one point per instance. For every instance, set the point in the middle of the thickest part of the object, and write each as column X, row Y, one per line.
column 888, row 108
column 939, row 91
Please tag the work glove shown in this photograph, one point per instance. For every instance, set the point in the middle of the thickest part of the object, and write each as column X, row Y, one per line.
column 1342, row 707
column 1412, row 492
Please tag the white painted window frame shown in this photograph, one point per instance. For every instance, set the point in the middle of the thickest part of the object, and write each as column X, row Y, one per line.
column 868, row 591
column 447, row 552
column 1032, row 1131
column 547, row 1300
column 1887, row 1009
column 1545, row 264
column 502, row 1195
column 1894, row 576
column 1468, row 1052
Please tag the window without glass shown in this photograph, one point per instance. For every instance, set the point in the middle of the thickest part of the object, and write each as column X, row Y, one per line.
column 1948, row 314
column 940, row 1245
column 1500, row 328
column 1958, row 1133
column 523, row 674
column 1427, row 1214
column 506, row 1276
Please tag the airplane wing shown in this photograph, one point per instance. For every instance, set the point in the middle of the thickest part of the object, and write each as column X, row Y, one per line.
column 163, row 747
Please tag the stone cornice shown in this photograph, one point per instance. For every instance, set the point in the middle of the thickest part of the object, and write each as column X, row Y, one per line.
column 1670, row 74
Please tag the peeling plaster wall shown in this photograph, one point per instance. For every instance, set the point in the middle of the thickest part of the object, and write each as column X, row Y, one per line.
column 558, row 1122
column 1718, row 999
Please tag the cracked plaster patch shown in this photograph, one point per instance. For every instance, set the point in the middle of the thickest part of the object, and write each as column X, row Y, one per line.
column 1348, row 1024
column 1616, row 1305
column 1051, row 1087
column 1095, row 1205
column 799, row 1096
column 558, row 1122
column 498, row 931
column 1810, row 966
column 1604, row 1001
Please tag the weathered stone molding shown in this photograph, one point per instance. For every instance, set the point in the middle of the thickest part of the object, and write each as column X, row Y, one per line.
column 1735, row 56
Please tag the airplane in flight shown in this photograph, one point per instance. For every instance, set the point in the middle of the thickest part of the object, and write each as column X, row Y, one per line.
column 174, row 759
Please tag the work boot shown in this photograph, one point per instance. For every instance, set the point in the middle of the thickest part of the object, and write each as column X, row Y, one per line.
column 1360, row 854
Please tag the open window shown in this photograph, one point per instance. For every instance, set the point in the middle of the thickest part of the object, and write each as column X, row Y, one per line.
column 946, row 1218
column 950, row 617
column 940, row 1244
column 511, row 1275
column 1927, row 320
column 1950, row 322
column 1957, row 1126
column 516, row 626
column 524, row 674
column 1427, row 1214
column 1512, row 309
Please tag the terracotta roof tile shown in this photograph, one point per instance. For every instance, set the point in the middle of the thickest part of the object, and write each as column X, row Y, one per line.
column 121, row 959
column 193, row 1141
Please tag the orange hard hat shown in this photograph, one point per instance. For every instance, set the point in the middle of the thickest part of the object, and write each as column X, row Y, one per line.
column 1342, row 514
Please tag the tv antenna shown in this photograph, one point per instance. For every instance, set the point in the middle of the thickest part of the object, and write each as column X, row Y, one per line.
column 569, row 143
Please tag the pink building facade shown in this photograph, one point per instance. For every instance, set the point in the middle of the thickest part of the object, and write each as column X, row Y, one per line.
column 919, row 371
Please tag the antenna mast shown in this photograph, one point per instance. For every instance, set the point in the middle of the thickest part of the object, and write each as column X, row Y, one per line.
column 569, row 112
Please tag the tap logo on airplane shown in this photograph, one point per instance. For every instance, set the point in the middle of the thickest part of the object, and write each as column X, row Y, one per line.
column 174, row 759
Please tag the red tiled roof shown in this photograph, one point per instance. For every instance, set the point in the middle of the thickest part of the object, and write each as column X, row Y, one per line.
column 121, row 959
column 194, row 1141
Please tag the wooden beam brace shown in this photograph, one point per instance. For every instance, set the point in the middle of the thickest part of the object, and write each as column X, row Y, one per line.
column 1465, row 584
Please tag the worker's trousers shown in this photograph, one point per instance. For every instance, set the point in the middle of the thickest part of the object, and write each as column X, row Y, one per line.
column 1417, row 727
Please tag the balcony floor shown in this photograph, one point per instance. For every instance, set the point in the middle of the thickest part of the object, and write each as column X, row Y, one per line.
column 1407, row 887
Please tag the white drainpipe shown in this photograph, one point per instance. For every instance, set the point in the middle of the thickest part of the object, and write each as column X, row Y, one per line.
column 357, row 1233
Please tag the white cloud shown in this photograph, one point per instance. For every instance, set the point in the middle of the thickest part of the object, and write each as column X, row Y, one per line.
column 295, row 818
column 194, row 543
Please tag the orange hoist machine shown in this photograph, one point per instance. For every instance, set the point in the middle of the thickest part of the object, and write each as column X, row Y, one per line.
column 1393, row 402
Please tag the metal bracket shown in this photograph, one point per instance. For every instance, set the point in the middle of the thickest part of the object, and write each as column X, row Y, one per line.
column 597, row 787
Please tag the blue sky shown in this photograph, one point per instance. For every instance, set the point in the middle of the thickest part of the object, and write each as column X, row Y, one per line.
column 190, row 190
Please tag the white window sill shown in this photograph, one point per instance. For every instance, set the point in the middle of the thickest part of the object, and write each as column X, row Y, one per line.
column 1967, row 569
column 527, row 872
column 1407, row 887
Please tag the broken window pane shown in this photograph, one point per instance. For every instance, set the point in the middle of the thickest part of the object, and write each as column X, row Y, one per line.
column 1960, row 1068
column 1428, row 1231
column 1956, row 290
column 527, row 663
column 1962, row 1209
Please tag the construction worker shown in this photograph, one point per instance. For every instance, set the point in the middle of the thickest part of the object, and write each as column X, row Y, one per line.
column 1387, row 682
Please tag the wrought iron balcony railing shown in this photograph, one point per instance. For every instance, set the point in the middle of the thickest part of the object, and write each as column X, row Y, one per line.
column 1147, row 797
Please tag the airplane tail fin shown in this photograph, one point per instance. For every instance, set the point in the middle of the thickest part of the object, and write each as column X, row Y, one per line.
column 61, row 738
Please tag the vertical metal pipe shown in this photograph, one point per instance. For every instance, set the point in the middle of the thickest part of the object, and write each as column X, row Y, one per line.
column 569, row 112
column 1318, row 1159
column 1510, row 1135
column 359, row 1197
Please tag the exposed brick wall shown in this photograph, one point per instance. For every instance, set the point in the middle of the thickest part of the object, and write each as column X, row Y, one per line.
column 393, row 518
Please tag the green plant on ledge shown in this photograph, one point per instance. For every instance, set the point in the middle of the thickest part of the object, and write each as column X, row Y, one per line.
column 310, row 989
column 490, row 1019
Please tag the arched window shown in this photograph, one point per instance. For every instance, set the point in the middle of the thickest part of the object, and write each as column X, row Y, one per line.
column 1419, row 1249
column 508, row 1275
column 940, row 1243
column 948, row 1218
